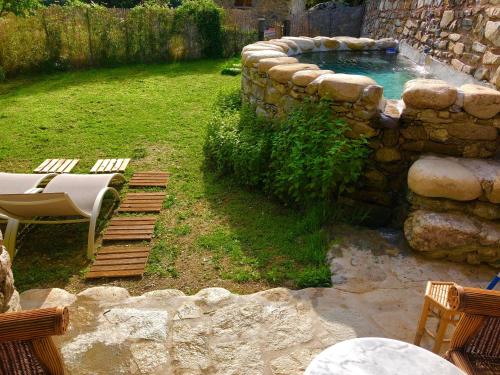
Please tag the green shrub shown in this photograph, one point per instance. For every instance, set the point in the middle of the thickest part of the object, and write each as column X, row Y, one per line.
column 302, row 159
column 2, row 74
column 311, row 157
column 207, row 17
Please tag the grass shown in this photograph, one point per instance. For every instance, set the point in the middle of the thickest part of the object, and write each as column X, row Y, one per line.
column 211, row 231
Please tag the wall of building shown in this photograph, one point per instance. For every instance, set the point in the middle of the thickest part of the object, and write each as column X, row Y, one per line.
column 464, row 34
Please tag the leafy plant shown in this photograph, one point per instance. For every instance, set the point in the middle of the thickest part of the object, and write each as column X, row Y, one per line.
column 304, row 158
column 2, row 74
column 18, row 7
column 312, row 158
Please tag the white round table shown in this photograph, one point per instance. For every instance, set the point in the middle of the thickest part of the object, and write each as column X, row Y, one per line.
column 379, row 356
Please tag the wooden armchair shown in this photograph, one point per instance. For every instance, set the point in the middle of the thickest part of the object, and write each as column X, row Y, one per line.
column 475, row 345
column 26, row 346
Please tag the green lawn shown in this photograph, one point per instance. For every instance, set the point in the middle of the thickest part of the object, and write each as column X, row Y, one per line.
column 211, row 232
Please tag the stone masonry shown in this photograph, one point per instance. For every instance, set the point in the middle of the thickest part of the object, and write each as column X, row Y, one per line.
column 464, row 34
column 432, row 117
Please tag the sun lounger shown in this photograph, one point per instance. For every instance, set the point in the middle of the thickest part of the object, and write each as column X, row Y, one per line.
column 19, row 183
column 66, row 199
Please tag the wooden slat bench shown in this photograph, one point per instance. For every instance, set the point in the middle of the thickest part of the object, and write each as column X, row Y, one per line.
column 149, row 179
column 119, row 261
column 142, row 202
column 110, row 166
column 56, row 166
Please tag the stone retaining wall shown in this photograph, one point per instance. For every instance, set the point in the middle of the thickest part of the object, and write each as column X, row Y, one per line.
column 432, row 116
column 464, row 34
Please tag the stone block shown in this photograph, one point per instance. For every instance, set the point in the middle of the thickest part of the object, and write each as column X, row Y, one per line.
column 429, row 93
column 284, row 73
column 481, row 102
column 305, row 77
column 492, row 32
column 265, row 64
column 344, row 87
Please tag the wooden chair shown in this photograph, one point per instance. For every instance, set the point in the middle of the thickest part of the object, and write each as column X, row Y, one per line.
column 436, row 305
column 475, row 345
column 26, row 346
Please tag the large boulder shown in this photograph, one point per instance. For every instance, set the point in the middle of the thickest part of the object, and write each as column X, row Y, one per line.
column 481, row 102
column 263, row 47
column 284, row 73
column 250, row 58
column 305, row 44
column 429, row 93
column 304, row 77
column 7, row 290
column 266, row 64
column 344, row 87
column 443, row 178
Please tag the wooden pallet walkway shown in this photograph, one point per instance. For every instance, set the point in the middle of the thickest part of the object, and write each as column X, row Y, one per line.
column 130, row 229
column 56, row 166
column 142, row 202
column 148, row 179
column 110, row 166
column 119, row 261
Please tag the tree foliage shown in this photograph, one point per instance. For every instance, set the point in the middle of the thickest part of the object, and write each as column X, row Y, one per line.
column 18, row 7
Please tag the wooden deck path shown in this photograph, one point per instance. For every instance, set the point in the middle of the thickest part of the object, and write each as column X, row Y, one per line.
column 142, row 202
column 148, row 179
column 130, row 260
column 119, row 261
column 110, row 166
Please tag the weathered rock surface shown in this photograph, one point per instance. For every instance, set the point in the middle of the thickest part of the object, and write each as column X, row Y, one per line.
column 429, row 93
column 8, row 294
column 443, row 177
column 480, row 101
column 453, row 235
column 250, row 58
column 266, row 64
column 284, row 73
column 344, row 87
column 305, row 77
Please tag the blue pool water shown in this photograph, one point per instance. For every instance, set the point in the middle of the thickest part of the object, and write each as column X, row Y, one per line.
column 391, row 71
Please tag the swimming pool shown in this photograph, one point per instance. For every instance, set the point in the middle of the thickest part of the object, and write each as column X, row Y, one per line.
column 391, row 71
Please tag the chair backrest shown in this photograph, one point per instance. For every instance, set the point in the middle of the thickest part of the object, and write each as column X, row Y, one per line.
column 83, row 189
column 26, row 206
column 18, row 183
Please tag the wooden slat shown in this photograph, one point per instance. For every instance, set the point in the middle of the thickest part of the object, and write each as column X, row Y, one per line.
column 110, row 262
column 110, row 166
column 122, row 250
column 142, row 202
column 56, row 166
column 41, row 166
column 96, row 166
column 143, row 179
column 103, row 166
column 123, row 165
column 118, row 267
column 129, row 237
column 137, row 255
column 124, row 273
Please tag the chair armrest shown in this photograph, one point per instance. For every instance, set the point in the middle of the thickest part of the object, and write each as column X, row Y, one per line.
column 474, row 301
column 33, row 324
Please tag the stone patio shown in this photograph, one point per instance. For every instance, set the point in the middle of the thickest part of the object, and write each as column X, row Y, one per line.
column 378, row 287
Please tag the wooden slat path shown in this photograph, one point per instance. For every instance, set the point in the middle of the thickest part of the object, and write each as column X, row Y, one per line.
column 130, row 229
column 119, row 261
column 56, row 166
column 110, row 166
column 148, row 179
column 142, row 202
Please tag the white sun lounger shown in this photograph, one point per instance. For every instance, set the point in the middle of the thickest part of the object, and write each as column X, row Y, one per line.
column 21, row 183
column 66, row 199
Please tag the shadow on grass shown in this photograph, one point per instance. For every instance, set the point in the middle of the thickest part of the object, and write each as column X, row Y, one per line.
column 46, row 82
column 49, row 255
column 285, row 246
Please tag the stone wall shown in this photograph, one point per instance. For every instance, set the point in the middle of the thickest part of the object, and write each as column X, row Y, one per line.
column 9, row 299
column 464, row 34
column 431, row 117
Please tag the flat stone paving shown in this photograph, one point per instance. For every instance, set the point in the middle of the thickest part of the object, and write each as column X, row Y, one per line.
column 378, row 288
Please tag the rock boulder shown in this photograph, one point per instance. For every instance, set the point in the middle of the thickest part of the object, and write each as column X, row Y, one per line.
column 429, row 93
column 344, row 87
column 481, row 102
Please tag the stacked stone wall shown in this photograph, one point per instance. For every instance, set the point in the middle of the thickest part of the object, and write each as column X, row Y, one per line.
column 464, row 34
column 432, row 117
column 9, row 298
